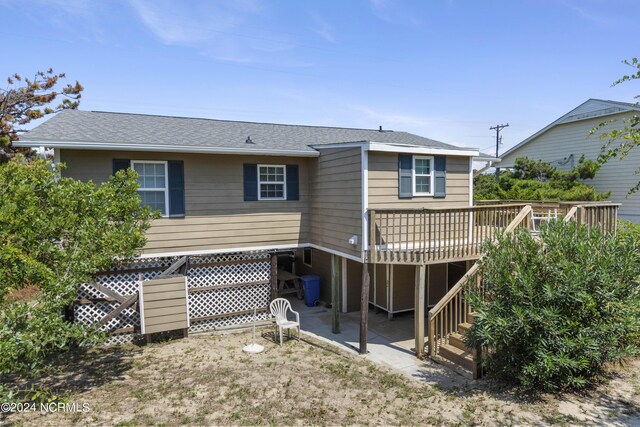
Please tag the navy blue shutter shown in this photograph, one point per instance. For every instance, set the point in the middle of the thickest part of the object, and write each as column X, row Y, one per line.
column 176, row 187
column 440, row 176
column 405, row 179
column 120, row 164
column 293, row 187
column 250, row 182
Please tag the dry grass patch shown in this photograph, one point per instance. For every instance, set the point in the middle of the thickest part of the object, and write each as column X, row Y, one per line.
column 208, row 380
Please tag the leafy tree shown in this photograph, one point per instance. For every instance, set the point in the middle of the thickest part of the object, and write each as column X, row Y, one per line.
column 622, row 141
column 538, row 180
column 56, row 233
column 533, row 170
column 27, row 99
column 558, row 308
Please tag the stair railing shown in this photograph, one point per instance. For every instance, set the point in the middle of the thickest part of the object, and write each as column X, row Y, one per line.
column 571, row 214
column 445, row 317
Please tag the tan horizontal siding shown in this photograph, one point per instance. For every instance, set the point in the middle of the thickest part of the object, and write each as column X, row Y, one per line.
column 562, row 140
column 164, row 303
column 161, row 312
column 336, row 199
column 217, row 217
column 170, row 326
column 383, row 184
column 160, row 303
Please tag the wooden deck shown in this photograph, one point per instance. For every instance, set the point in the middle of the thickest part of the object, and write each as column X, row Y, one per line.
column 428, row 236
column 434, row 236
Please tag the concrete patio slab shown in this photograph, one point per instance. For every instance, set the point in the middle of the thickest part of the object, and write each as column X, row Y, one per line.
column 389, row 342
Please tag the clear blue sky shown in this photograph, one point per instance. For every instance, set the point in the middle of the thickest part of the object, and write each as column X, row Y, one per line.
column 444, row 69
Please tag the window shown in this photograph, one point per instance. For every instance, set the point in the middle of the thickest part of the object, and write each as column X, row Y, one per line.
column 422, row 176
column 271, row 182
column 306, row 257
column 153, row 184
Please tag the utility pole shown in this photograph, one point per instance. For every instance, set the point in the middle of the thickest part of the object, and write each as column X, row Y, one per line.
column 498, row 128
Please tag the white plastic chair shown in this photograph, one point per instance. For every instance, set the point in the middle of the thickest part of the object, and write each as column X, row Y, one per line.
column 279, row 308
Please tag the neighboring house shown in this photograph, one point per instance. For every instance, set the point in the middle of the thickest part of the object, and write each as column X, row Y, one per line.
column 562, row 142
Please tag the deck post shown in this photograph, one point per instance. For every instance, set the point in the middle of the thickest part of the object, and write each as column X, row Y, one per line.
column 419, row 309
column 364, row 308
column 274, row 276
column 335, row 294
column 372, row 236
column 580, row 215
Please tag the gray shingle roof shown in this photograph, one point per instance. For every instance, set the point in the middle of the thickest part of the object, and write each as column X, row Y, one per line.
column 138, row 129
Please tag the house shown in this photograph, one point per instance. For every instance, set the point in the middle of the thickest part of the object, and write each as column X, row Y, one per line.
column 389, row 215
column 225, row 186
column 562, row 142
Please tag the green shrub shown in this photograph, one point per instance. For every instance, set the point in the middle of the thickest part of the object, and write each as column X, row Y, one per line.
column 538, row 180
column 56, row 233
column 559, row 308
column 628, row 228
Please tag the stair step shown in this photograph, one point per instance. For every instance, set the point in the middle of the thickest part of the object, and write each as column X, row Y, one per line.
column 471, row 317
column 463, row 327
column 459, row 357
column 457, row 340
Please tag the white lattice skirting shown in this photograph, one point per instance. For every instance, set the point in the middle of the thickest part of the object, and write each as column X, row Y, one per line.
column 223, row 291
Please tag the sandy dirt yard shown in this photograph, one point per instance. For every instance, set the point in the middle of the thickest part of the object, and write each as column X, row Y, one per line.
column 208, row 380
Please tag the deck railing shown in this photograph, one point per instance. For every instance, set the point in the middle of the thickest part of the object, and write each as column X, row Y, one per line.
column 421, row 236
column 424, row 236
column 602, row 215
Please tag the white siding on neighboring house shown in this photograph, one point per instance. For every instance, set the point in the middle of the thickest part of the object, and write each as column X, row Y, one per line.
column 562, row 140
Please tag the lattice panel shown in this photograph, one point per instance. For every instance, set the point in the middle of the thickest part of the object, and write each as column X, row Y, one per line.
column 225, row 300
column 239, row 319
column 238, row 256
column 124, row 284
column 228, row 300
column 228, row 274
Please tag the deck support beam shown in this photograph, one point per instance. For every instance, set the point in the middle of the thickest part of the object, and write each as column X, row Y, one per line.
column 173, row 267
column 335, row 294
column 364, row 308
column 419, row 309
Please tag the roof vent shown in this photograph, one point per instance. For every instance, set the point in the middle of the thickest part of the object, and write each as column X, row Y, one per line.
column 380, row 130
column 249, row 141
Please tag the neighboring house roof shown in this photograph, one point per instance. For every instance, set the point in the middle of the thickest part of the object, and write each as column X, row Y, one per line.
column 106, row 130
column 485, row 157
column 589, row 109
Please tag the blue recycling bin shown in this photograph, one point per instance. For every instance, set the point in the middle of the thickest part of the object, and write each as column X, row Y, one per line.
column 311, row 286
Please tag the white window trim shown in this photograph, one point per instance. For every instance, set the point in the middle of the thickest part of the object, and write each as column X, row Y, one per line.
column 284, row 182
column 310, row 263
column 413, row 175
column 166, row 182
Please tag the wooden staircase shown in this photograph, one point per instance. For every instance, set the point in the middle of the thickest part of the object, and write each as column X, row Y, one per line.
column 456, row 354
column 452, row 316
